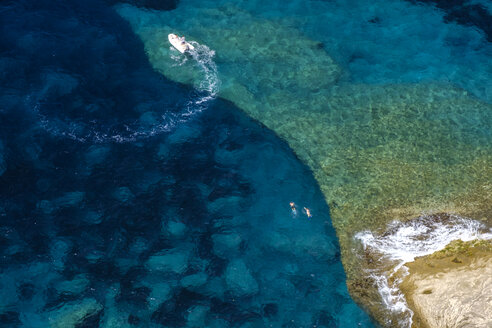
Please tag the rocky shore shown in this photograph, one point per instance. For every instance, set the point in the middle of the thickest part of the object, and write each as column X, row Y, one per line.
column 451, row 288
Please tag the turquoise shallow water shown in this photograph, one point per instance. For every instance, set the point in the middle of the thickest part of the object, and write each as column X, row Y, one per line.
column 378, row 43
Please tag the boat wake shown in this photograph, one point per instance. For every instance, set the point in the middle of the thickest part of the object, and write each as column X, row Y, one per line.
column 402, row 242
column 123, row 130
column 209, row 84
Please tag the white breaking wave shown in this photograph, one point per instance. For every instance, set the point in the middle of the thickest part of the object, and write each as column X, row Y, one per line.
column 205, row 90
column 403, row 242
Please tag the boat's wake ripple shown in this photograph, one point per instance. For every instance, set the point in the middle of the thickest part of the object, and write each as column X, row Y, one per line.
column 122, row 130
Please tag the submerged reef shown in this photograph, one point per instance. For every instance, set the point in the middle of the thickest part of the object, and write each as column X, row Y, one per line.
column 379, row 152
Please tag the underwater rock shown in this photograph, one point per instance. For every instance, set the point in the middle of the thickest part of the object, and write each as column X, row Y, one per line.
column 26, row 291
column 175, row 229
column 138, row 246
column 10, row 318
column 451, row 288
column 96, row 154
column 280, row 242
column 93, row 256
column 173, row 261
column 77, row 314
column 194, row 280
column 218, row 323
column 226, row 206
column 317, row 245
column 3, row 164
column 123, row 194
column 164, row 151
column 227, row 157
column 43, row 185
column 75, row 286
column 93, row 217
column 465, row 13
column 148, row 119
column 113, row 317
column 8, row 293
column 226, row 245
column 269, row 310
column 196, row 316
column 58, row 251
column 239, row 279
column 215, row 287
column 160, row 293
column 58, row 83
column 150, row 4
column 69, row 199
column 149, row 180
column 185, row 134
column 45, row 206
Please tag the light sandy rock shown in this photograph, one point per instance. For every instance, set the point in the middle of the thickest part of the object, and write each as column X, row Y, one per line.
column 451, row 292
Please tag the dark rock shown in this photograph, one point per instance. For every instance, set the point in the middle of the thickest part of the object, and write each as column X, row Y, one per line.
column 9, row 319
column 270, row 309
column 91, row 321
column 55, row 300
column 326, row 320
column 150, row 4
column 172, row 313
column 375, row 20
column 231, row 312
column 136, row 296
column 464, row 13
column 26, row 291
column 133, row 320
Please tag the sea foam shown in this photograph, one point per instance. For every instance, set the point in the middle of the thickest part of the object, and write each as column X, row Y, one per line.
column 402, row 242
column 150, row 123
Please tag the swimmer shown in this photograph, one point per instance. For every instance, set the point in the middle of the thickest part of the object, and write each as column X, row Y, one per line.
column 308, row 212
column 293, row 208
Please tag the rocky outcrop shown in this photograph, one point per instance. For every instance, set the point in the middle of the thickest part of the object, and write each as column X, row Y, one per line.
column 451, row 288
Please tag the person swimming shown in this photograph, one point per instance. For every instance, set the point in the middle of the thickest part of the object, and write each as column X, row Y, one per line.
column 293, row 208
column 308, row 212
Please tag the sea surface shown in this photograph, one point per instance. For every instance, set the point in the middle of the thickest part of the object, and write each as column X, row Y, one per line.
column 130, row 199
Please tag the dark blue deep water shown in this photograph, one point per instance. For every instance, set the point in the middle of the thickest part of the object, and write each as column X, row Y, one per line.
column 114, row 217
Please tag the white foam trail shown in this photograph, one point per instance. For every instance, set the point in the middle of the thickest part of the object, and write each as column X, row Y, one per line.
column 210, row 84
column 206, row 89
column 404, row 241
